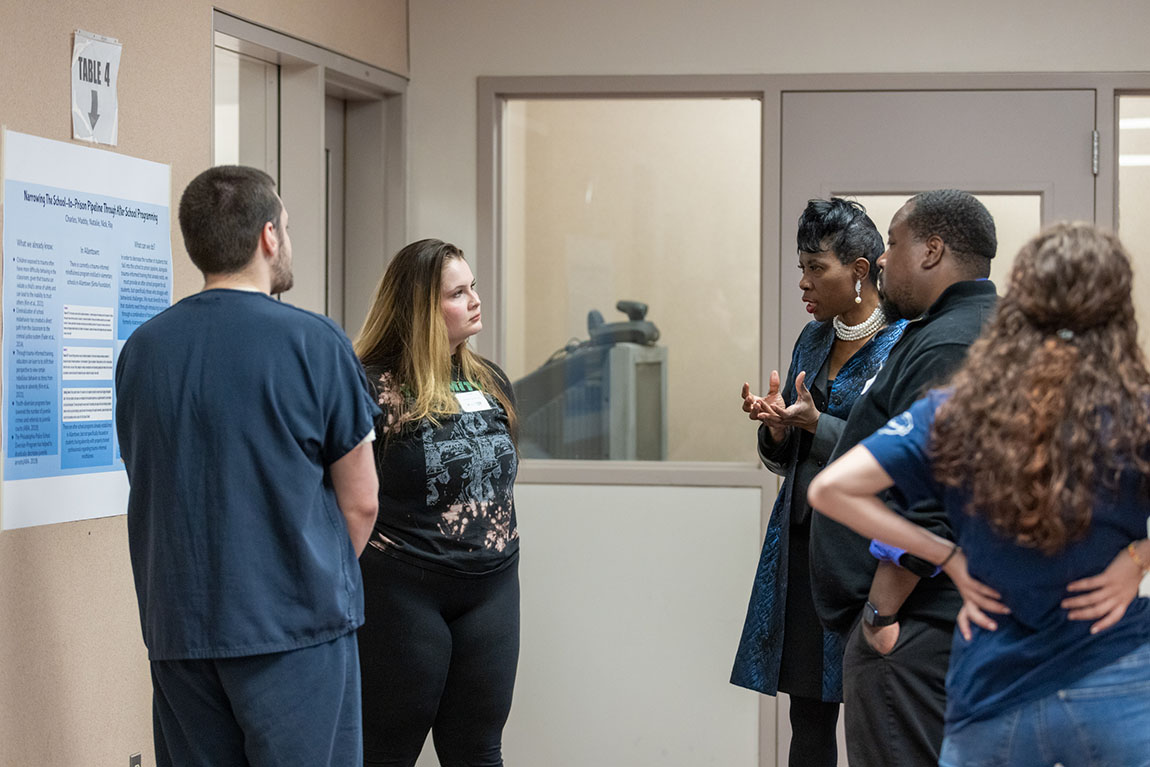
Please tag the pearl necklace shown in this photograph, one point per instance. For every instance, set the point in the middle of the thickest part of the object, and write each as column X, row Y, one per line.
column 864, row 329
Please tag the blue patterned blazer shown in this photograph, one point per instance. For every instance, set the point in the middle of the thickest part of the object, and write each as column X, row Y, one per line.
column 760, row 650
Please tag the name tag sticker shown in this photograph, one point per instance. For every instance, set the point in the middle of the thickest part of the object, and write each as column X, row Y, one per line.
column 472, row 401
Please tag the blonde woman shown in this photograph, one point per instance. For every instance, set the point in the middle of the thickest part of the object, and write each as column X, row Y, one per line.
column 441, row 640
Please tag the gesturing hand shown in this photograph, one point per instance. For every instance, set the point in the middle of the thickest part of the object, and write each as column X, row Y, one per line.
column 752, row 403
column 766, row 409
column 1105, row 596
column 774, row 411
column 802, row 414
column 978, row 599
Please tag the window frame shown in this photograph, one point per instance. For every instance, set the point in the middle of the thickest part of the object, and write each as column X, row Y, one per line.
column 494, row 92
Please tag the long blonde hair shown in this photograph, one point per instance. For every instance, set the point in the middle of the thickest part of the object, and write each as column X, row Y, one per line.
column 404, row 331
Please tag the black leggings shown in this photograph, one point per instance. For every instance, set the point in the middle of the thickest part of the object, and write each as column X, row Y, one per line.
column 813, row 739
column 438, row 652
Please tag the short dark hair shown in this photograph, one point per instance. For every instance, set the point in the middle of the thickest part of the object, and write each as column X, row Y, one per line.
column 963, row 223
column 842, row 227
column 222, row 213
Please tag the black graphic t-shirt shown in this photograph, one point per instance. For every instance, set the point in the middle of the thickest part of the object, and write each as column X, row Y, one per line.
column 446, row 492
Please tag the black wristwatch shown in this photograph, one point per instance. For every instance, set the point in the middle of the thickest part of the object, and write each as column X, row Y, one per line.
column 872, row 618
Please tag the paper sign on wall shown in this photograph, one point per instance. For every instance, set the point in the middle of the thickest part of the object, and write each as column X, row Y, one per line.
column 86, row 259
column 95, row 67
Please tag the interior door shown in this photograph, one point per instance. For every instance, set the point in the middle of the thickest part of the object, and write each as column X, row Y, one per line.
column 1026, row 153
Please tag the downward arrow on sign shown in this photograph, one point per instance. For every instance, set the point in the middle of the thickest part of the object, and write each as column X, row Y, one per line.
column 94, row 115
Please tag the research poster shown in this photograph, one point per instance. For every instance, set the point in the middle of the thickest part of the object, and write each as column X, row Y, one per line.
column 87, row 259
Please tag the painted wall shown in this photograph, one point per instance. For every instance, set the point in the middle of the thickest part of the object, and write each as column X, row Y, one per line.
column 74, row 686
column 627, row 593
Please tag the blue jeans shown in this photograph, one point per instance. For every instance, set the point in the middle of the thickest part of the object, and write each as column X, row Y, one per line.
column 1102, row 719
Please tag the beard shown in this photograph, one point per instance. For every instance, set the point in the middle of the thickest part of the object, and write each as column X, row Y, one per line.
column 891, row 310
column 891, row 306
column 282, row 278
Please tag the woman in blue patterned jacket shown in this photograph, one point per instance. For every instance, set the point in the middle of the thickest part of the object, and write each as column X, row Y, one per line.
column 783, row 646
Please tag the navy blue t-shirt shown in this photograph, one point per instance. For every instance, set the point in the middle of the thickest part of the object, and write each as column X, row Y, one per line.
column 1036, row 649
column 230, row 407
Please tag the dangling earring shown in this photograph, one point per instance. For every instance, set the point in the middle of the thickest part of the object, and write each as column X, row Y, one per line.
column 858, row 291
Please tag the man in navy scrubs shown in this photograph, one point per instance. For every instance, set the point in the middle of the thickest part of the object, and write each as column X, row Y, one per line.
column 245, row 426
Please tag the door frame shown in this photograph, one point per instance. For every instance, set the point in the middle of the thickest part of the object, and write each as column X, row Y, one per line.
column 375, row 210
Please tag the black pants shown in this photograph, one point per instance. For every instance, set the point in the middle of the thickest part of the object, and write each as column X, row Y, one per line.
column 814, row 741
column 894, row 704
column 439, row 653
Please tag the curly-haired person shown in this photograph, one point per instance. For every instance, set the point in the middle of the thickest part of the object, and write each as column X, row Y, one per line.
column 1040, row 452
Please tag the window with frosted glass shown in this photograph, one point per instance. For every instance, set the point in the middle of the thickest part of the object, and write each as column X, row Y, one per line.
column 632, row 266
column 1134, row 196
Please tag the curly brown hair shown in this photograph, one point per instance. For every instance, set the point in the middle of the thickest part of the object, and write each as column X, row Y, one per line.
column 1053, row 401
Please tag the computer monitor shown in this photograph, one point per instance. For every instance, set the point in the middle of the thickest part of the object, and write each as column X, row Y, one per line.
column 601, row 399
